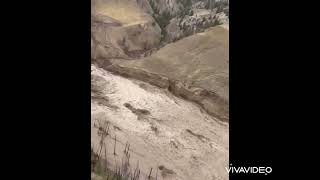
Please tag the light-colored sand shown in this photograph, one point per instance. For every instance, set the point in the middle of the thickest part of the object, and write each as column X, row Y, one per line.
column 188, row 141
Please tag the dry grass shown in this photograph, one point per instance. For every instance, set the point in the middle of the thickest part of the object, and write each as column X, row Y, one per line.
column 99, row 159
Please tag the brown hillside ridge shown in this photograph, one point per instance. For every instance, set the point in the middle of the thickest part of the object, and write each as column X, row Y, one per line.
column 195, row 68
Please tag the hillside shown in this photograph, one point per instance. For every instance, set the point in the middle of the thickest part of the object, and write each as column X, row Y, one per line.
column 133, row 29
column 159, row 89
column 121, row 29
column 195, row 68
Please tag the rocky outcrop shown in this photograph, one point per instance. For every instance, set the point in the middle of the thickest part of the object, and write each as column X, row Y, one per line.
column 188, row 25
column 195, row 68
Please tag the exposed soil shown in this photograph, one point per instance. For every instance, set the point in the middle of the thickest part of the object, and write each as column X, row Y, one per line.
column 165, row 132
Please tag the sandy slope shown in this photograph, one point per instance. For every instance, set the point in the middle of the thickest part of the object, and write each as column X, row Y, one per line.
column 170, row 132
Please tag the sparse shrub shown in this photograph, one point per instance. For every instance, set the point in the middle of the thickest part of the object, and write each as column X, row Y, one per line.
column 191, row 13
column 216, row 23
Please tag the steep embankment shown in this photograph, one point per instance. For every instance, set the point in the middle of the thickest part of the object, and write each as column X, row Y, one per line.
column 165, row 132
column 195, row 68
column 121, row 29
